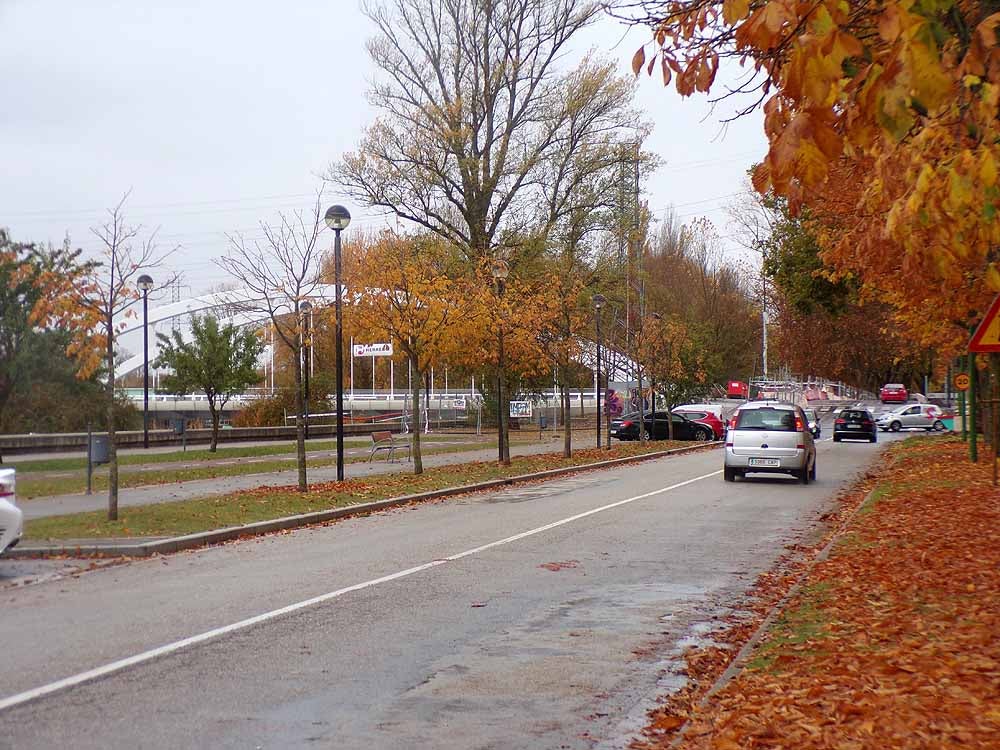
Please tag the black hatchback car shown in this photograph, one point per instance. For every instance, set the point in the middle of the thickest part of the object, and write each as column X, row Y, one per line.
column 855, row 424
column 656, row 427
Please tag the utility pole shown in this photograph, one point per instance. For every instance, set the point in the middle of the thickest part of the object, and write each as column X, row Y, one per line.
column 637, row 244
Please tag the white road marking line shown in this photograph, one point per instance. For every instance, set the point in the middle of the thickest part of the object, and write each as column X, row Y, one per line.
column 170, row 648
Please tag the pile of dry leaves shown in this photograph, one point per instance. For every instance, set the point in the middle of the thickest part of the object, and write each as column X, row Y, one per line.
column 892, row 641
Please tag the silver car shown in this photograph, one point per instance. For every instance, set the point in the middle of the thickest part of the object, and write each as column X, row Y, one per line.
column 770, row 436
column 926, row 416
column 11, row 518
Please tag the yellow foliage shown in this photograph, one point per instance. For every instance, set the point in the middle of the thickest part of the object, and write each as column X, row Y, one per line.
column 883, row 118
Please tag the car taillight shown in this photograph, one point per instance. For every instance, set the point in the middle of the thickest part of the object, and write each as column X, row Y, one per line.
column 627, row 423
column 7, row 487
column 732, row 423
column 798, row 424
column 841, row 421
column 867, row 423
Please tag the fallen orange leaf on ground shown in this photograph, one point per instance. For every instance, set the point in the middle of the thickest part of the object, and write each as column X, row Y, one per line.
column 893, row 641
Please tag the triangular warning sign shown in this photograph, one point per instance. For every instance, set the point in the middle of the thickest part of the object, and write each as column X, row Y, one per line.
column 987, row 335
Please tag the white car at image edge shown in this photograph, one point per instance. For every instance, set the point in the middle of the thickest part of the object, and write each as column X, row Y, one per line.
column 11, row 517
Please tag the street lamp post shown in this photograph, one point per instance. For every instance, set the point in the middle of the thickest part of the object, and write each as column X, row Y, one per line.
column 337, row 218
column 145, row 283
column 599, row 300
column 305, row 308
column 500, row 271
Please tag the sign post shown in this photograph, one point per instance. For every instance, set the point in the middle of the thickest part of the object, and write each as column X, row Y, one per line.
column 985, row 340
column 961, row 383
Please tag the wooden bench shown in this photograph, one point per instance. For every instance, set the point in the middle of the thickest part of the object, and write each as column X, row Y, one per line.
column 382, row 441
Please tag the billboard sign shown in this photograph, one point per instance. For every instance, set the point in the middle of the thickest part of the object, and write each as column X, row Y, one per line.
column 520, row 409
column 373, row 350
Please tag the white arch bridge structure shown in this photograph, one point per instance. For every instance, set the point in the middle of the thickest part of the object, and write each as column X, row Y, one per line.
column 242, row 308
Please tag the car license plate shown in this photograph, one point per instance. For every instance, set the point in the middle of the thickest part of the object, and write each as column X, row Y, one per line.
column 854, row 426
column 765, row 462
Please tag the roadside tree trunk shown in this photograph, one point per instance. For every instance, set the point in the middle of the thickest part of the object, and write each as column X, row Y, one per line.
column 215, row 425
column 112, row 450
column 418, row 463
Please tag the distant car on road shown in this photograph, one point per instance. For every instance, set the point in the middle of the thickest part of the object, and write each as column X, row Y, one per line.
column 770, row 436
column 854, row 424
column 711, row 418
column 11, row 517
column 893, row 393
column 655, row 427
column 927, row 416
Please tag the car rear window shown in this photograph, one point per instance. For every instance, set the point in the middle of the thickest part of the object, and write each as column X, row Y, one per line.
column 854, row 414
column 766, row 419
column 692, row 414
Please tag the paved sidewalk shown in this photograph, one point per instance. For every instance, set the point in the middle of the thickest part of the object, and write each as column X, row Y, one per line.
column 160, row 493
column 352, row 448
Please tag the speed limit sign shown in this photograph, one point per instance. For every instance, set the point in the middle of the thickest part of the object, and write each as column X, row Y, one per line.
column 962, row 381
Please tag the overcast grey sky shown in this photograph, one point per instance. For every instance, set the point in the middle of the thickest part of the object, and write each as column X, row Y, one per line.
column 218, row 114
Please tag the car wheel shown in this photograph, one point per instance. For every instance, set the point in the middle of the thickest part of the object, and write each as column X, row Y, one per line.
column 646, row 435
column 729, row 474
column 701, row 435
column 803, row 476
column 938, row 425
column 873, row 439
column 896, row 426
column 836, row 438
column 812, row 471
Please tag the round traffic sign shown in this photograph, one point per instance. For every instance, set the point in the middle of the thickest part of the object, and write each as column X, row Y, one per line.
column 962, row 381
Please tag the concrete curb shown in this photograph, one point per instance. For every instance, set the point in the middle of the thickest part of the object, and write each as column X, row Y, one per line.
column 190, row 541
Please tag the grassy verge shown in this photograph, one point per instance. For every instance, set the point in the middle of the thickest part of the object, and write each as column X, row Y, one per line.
column 190, row 516
column 29, row 488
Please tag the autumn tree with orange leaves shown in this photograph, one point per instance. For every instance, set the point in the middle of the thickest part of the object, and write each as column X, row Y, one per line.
column 34, row 286
column 885, row 114
column 411, row 294
column 675, row 362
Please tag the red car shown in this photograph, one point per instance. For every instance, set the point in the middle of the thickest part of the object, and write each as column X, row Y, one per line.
column 893, row 393
column 705, row 417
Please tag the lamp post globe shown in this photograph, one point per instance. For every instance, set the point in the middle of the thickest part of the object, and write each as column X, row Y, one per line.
column 338, row 218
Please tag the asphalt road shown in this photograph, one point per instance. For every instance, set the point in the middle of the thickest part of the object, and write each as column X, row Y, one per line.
column 542, row 616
